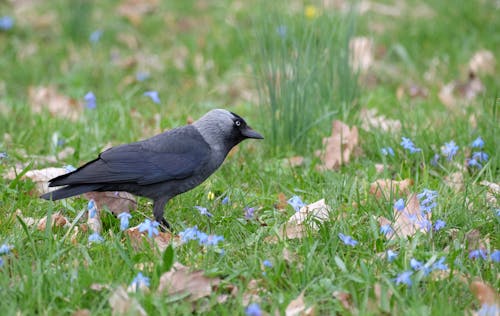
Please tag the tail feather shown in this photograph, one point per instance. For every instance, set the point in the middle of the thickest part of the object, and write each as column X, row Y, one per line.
column 70, row 190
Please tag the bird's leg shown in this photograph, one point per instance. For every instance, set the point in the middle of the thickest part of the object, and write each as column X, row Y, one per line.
column 158, row 210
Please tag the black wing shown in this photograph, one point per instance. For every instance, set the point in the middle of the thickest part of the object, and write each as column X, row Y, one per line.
column 176, row 154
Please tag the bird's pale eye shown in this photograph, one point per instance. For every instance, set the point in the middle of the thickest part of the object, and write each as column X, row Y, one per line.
column 237, row 123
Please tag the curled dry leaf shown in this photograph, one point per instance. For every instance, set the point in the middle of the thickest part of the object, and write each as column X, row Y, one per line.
column 39, row 177
column 458, row 94
column 134, row 10
column 487, row 296
column 122, row 304
column 483, row 62
column 361, row 53
column 297, row 307
column 455, row 181
column 57, row 220
column 282, row 202
column 340, row 146
column 493, row 192
column 371, row 120
column 162, row 240
column 50, row 99
column 180, row 281
column 345, row 300
column 117, row 202
column 388, row 188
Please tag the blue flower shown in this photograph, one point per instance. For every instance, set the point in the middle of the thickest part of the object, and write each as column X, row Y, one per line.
column 399, row 205
column 153, row 95
column 253, row 310
column 391, row 255
column 434, row 160
column 203, row 239
column 497, row 211
column 150, row 226
column 212, row 240
column 1, row 262
column 124, row 220
column 478, row 143
column 426, row 198
column 139, row 281
column 249, row 212
column 3, row 155
column 489, row 310
column 387, row 151
column 188, row 234
column 95, row 237
column 386, row 229
column 474, row 163
column 404, row 278
column 95, row 36
column 440, row 265
column 348, row 240
column 495, row 256
column 477, row 254
column 5, row 249
column 296, row 203
column 90, row 100
column 449, row 150
column 439, row 224
column 6, row 23
column 203, row 211
column 225, row 200
column 425, row 224
column 408, row 145
column 415, row 264
column 480, row 156
column 267, row 264
column 281, row 30
column 92, row 209
column 141, row 76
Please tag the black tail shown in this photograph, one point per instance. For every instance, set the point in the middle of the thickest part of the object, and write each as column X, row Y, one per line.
column 70, row 190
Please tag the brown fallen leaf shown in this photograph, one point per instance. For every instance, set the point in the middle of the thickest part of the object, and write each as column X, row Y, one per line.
column 459, row 94
column 413, row 91
column 298, row 307
column 379, row 167
column 487, row 296
column 371, row 120
column 252, row 293
column 382, row 298
column 82, row 312
column 483, row 62
column 162, row 240
column 295, row 161
column 340, row 146
column 122, row 304
column 57, row 220
column 282, row 201
column 475, row 241
column 180, row 281
column 116, row 202
column 39, row 177
column 345, row 300
column 361, row 53
column 455, row 181
column 48, row 98
column 134, row 10
column 493, row 193
column 388, row 189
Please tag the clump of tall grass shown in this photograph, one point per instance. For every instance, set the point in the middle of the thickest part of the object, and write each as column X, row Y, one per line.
column 301, row 61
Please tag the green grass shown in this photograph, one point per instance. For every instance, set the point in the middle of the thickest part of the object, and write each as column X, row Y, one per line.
column 48, row 274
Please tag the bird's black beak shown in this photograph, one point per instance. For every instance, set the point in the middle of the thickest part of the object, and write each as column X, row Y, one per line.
column 250, row 133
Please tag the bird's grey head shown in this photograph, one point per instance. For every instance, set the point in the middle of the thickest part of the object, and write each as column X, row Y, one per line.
column 222, row 128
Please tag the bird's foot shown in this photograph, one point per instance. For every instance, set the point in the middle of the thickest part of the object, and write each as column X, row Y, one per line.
column 164, row 225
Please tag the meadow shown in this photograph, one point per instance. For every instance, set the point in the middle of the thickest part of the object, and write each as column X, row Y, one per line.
column 409, row 177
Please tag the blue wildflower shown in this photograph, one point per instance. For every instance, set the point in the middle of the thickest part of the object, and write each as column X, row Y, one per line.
column 399, row 205
column 296, row 203
column 153, row 95
column 497, row 211
column 212, row 240
column 225, row 200
column 142, row 76
column 203, row 211
column 391, row 255
column 281, row 30
column 449, row 150
column 6, row 23
column 480, row 156
column 150, row 226
column 408, row 145
column 95, row 237
column 434, row 160
column 139, row 281
column 439, row 224
column 426, row 198
column 386, row 229
column 5, row 249
column 267, row 264
column 249, row 212
column 348, row 240
column 253, row 310
column 3, row 155
column 387, row 151
column 495, row 256
column 90, row 100
column 188, row 234
column 92, row 209
column 1, row 262
column 478, row 143
column 489, row 310
column 478, row 254
column 440, row 265
column 425, row 224
column 415, row 264
column 124, row 220
column 474, row 163
column 95, row 36
column 404, row 278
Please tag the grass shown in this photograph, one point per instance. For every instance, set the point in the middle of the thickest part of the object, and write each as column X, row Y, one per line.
column 198, row 57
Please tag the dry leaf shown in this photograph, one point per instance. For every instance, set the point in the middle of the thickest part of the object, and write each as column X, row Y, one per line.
column 297, row 307
column 493, row 192
column 295, row 161
column 98, row 287
column 483, row 61
column 340, row 146
column 487, row 296
column 252, row 294
column 57, row 220
column 346, row 301
column 455, row 181
column 117, row 202
column 134, row 10
column 371, row 120
column 39, row 177
column 282, row 201
column 361, row 53
column 388, row 189
column 162, row 240
column 82, row 312
column 57, row 104
column 122, row 304
column 474, row 240
column 457, row 94
column 413, row 91
column 179, row 280
column 379, row 167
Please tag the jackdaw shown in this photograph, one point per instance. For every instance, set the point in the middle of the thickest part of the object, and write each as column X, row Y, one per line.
column 162, row 166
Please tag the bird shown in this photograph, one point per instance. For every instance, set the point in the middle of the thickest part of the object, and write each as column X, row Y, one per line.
column 160, row 167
